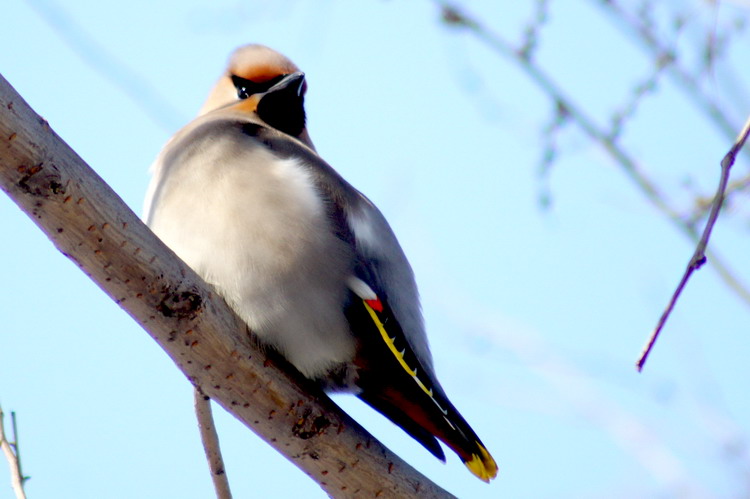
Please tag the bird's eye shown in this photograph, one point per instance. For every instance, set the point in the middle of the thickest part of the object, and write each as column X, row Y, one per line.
column 245, row 88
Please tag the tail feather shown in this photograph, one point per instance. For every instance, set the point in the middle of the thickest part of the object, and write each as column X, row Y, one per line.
column 482, row 464
column 395, row 383
column 406, row 423
column 426, row 423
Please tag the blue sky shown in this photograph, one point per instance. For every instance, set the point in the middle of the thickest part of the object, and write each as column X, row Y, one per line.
column 535, row 316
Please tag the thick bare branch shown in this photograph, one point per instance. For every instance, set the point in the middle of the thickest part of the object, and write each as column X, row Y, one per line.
column 92, row 226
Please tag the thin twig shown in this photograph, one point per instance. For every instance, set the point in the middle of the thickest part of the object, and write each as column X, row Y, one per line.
column 646, row 35
column 454, row 17
column 16, row 446
column 699, row 256
column 703, row 203
column 630, row 166
column 533, row 28
column 210, row 440
column 10, row 449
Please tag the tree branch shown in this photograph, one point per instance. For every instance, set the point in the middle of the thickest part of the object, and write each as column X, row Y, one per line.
column 699, row 256
column 703, row 204
column 10, row 449
column 92, row 226
column 210, row 440
column 454, row 17
column 659, row 51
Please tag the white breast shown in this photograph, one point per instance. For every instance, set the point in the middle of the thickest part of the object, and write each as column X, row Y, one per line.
column 253, row 226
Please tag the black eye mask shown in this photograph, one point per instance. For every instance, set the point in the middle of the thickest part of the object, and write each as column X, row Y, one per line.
column 246, row 88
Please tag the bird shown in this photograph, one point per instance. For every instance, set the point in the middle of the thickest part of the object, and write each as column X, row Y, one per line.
column 305, row 259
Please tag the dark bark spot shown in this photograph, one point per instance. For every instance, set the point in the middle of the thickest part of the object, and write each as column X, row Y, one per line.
column 181, row 304
column 56, row 187
column 24, row 182
column 308, row 426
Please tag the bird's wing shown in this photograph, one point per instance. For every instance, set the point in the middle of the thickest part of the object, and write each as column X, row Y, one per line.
column 395, row 366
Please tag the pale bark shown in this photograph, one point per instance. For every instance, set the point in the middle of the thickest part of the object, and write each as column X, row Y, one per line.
column 92, row 226
column 210, row 439
column 10, row 449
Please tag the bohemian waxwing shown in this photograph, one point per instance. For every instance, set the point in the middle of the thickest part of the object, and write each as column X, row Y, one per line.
column 306, row 260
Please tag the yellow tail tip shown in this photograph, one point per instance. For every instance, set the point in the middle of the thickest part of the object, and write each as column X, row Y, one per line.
column 482, row 465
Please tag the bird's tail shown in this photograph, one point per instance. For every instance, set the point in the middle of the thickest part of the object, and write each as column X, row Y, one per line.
column 396, row 384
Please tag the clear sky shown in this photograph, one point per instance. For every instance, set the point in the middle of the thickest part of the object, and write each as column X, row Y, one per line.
column 535, row 316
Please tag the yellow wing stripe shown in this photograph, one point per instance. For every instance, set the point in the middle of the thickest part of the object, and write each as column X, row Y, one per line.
column 392, row 347
column 400, row 357
column 481, row 465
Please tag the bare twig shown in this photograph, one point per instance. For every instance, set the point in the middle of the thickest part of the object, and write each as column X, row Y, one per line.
column 632, row 169
column 210, row 440
column 533, row 28
column 699, row 256
column 10, row 449
column 642, row 89
column 645, row 33
column 703, row 203
column 550, row 133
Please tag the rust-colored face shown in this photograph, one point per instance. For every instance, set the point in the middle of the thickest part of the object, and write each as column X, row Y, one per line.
column 249, row 105
column 260, row 64
column 252, row 71
column 254, row 63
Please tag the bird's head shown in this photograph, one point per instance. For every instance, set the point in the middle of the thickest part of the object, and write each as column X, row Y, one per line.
column 261, row 80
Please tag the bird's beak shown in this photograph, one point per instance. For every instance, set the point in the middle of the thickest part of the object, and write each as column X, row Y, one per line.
column 291, row 83
column 282, row 107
